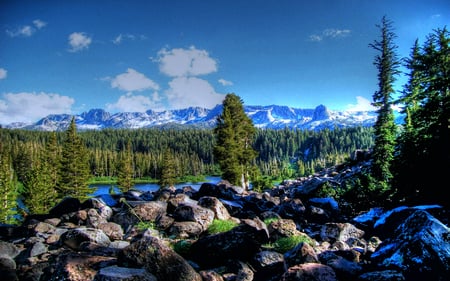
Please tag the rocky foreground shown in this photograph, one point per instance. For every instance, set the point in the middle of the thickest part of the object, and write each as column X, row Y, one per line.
column 164, row 236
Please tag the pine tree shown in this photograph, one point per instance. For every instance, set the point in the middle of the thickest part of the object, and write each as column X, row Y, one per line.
column 8, row 188
column 234, row 138
column 387, row 64
column 40, row 194
column 125, row 173
column 168, row 170
column 423, row 146
column 74, row 166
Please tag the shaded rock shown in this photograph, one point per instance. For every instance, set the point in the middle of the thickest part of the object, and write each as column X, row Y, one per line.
column 344, row 268
column 240, row 243
column 113, row 230
column 185, row 229
column 210, row 275
column 268, row 265
column 150, row 211
column 115, row 273
column 158, row 259
column 309, row 272
column 8, row 249
column 195, row 213
column 340, row 232
column 67, row 205
column 292, row 209
column 420, row 247
column 75, row 237
column 302, row 253
column 384, row 275
column 215, row 205
column 74, row 266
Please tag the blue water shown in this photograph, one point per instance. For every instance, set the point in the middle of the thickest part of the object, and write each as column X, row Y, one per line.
column 99, row 189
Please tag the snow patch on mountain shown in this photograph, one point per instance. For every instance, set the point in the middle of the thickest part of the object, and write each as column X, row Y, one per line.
column 271, row 116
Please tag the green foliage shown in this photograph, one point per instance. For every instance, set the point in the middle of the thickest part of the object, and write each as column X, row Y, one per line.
column 218, row 226
column 364, row 192
column 168, row 171
column 125, row 172
column 270, row 220
column 144, row 225
column 234, row 138
column 74, row 172
column 182, row 247
column 8, row 188
column 423, row 143
column 284, row 244
column 387, row 64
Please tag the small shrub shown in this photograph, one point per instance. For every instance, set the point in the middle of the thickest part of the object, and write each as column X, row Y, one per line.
column 285, row 244
column 271, row 220
column 218, row 226
column 144, row 225
column 182, row 247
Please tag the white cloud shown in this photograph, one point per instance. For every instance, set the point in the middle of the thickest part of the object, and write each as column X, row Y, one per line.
column 29, row 107
column 39, row 24
column 192, row 91
column 79, row 41
column 329, row 33
column 23, row 31
column 133, row 81
column 225, row 82
column 26, row 30
column 3, row 73
column 362, row 104
column 185, row 62
column 135, row 103
column 122, row 37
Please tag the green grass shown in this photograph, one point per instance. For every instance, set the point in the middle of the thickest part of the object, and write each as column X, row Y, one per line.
column 218, row 226
column 285, row 244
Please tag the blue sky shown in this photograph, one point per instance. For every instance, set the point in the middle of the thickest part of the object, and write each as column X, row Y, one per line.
column 72, row 56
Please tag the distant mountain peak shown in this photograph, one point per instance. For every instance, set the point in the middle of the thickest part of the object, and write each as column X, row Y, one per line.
column 270, row 116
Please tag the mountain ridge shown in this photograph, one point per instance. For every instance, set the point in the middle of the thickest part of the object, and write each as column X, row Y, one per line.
column 268, row 116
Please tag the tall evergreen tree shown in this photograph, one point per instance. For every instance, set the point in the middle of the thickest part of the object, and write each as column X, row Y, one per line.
column 74, row 166
column 8, row 188
column 387, row 64
column 234, row 138
column 424, row 144
column 405, row 163
column 168, row 170
column 40, row 193
column 125, row 173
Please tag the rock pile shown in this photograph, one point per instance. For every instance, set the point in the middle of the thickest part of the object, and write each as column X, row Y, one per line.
column 164, row 235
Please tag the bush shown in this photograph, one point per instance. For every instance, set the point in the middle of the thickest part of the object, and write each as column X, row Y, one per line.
column 182, row 247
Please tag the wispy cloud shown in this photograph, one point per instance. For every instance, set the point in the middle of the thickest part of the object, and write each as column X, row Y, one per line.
column 26, row 30
column 35, row 105
column 133, row 81
column 119, row 39
column 329, row 33
column 79, row 41
column 3, row 73
column 185, row 62
column 225, row 82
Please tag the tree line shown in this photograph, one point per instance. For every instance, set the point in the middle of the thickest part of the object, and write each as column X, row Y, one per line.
column 32, row 160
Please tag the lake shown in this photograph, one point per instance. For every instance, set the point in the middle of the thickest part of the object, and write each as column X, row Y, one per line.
column 99, row 189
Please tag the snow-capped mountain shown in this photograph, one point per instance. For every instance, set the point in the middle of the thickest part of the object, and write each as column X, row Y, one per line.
column 271, row 116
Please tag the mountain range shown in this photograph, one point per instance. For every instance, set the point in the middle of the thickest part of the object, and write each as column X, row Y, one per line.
column 270, row 116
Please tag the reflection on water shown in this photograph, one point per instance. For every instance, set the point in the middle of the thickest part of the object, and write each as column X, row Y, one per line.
column 99, row 189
